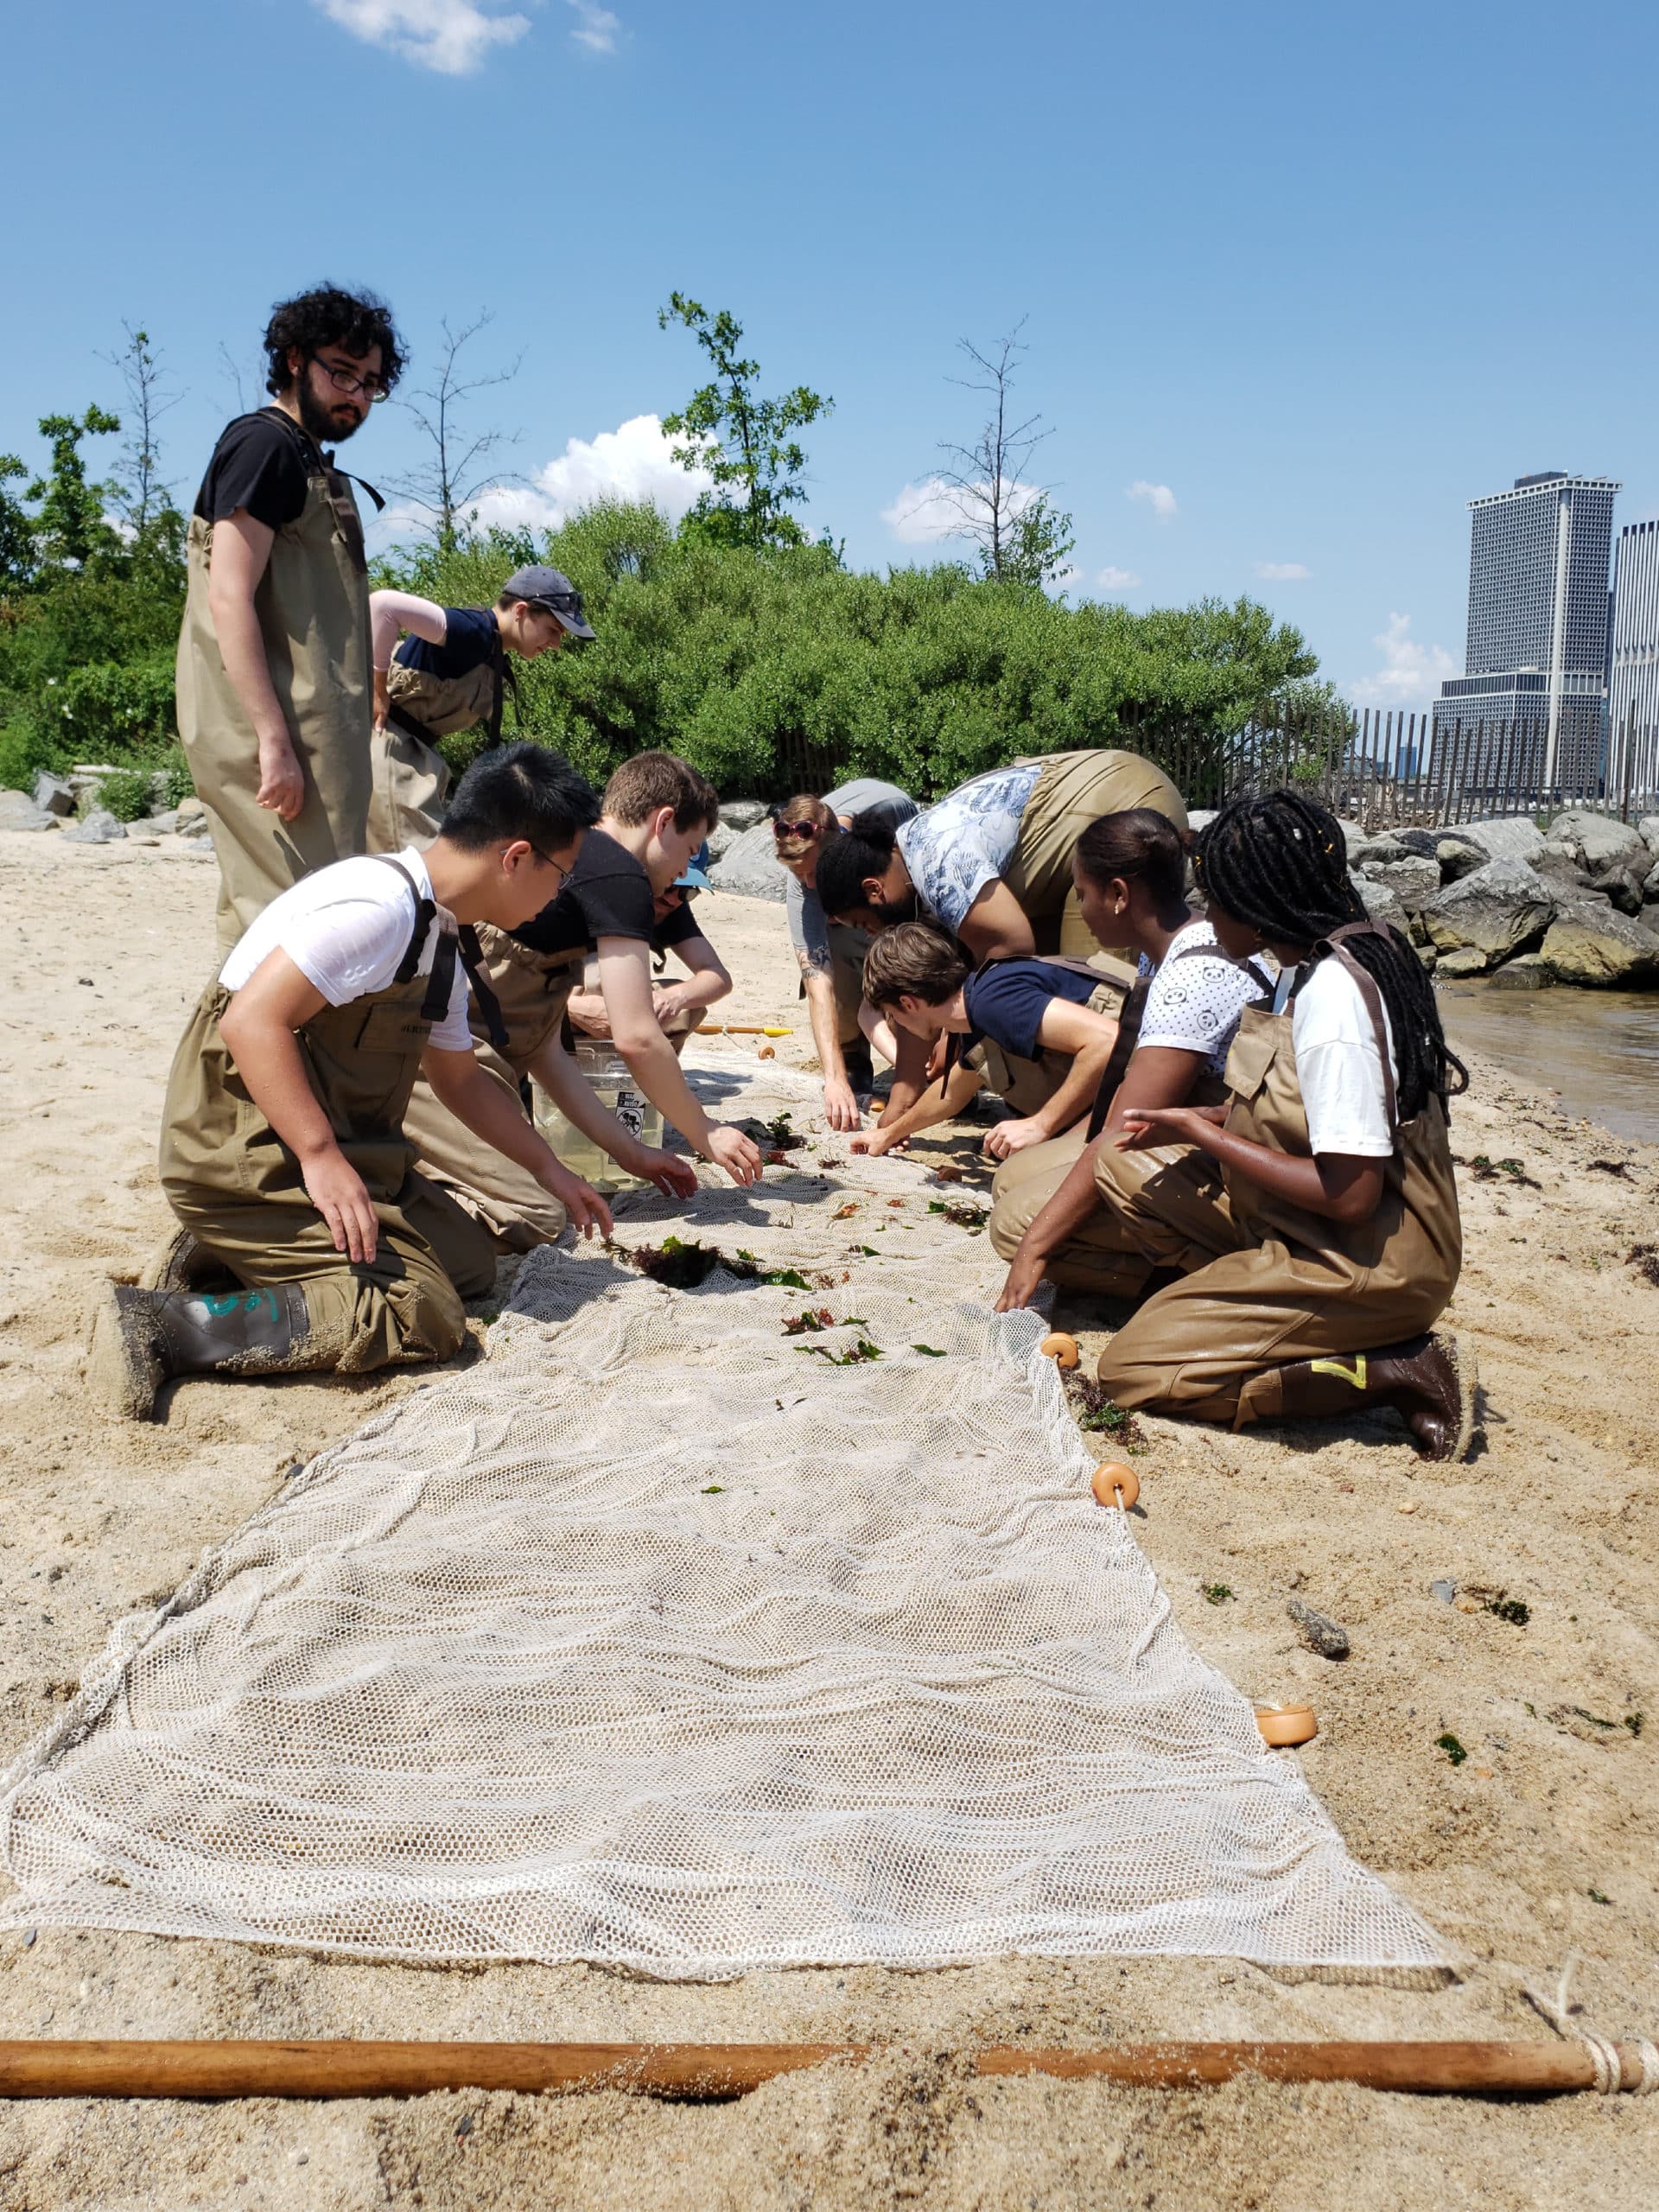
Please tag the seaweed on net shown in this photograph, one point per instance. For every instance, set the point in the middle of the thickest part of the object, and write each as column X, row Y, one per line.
column 683, row 1263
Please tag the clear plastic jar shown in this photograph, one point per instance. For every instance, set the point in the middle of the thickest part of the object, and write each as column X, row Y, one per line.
column 603, row 1067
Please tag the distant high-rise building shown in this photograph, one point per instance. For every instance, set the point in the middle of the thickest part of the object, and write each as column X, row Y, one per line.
column 1633, row 680
column 1536, row 652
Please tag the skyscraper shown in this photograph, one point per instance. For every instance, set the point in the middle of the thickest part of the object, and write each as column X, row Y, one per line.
column 1633, row 681
column 1537, row 651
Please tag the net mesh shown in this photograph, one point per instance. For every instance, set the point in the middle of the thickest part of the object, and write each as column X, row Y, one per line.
column 662, row 1640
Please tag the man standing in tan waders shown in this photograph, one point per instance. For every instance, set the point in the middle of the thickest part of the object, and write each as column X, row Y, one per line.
column 274, row 690
column 448, row 675
column 283, row 1152
column 991, row 863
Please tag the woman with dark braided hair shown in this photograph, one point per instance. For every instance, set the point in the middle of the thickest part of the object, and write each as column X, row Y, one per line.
column 1313, row 1275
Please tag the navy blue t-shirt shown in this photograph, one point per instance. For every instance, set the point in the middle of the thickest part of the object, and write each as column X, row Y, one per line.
column 1007, row 1003
column 469, row 642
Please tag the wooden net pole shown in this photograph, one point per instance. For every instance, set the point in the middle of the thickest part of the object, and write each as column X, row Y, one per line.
column 53, row 2068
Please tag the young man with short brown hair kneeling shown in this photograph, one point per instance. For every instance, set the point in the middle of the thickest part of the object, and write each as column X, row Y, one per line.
column 283, row 1152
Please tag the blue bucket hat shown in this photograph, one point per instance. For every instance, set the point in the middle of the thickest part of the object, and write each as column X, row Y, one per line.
column 695, row 877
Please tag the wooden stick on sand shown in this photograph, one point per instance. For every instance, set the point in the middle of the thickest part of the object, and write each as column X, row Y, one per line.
column 52, row 2068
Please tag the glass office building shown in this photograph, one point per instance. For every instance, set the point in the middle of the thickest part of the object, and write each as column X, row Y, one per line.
column 1633, row 678
column 1537, row 644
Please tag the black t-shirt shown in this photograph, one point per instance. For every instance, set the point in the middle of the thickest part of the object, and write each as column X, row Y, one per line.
column 469, row 640
column 610, row 894
column 259, row 463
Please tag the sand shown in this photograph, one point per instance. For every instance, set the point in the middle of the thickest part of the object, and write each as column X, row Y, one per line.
column 1537, row 1849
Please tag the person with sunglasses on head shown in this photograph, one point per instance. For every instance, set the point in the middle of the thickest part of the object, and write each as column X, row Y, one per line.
column 678, row 1006
column 656, row 810
column 274, row 688
column 307, row 1239
column 450, row 674
column 832, row 953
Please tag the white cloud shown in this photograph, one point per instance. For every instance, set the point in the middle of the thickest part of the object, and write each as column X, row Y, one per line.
column 630, row 462
column 922, row 513
column 1158, row 497
column 1118, row 580
column 453, row 37
column 1411, row 673
column 595, row 27
column 1282, row 572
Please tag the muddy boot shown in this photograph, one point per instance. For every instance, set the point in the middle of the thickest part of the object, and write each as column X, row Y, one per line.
column 1429, row 1381
column 140, row 1338
column 183, row 1264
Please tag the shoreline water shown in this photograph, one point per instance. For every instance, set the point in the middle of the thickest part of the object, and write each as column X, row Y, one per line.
column 1597, row 1052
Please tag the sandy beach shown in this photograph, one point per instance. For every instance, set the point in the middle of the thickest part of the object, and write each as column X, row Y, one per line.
column 1533, row 1851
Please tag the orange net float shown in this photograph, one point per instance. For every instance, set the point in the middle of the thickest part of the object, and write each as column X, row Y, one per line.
column 1060, row 1348
column 1115, row 1484
column 1284, row 1725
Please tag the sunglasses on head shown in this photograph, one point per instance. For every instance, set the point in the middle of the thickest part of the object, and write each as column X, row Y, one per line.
column 806, row 831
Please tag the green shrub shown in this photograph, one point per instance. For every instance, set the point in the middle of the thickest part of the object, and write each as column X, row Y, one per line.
column 25, row 748
column 125, row 794
column 107, row 708
column 177, row 783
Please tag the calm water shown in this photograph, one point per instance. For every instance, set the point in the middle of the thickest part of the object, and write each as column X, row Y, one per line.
column 1599, row 1049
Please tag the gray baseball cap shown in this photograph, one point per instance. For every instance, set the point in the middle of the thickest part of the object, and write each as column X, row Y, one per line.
column 546, row 588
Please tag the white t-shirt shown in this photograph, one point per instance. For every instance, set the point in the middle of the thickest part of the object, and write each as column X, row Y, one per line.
column 347, row 929
column 1336, row 1063
column 1194, row 1004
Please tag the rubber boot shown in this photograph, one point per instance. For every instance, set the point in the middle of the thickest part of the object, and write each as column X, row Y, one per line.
column 141, row 1338
column 183, row 1264
column 1429, row 1381
column 861, row 1073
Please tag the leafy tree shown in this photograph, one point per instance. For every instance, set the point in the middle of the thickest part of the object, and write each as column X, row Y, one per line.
column 71, row 527
column 1022, row 537
column 16, row 530
column 746, row 444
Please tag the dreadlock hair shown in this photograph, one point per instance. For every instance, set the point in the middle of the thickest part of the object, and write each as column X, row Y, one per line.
column 1135, row 842
column 916, row 961
column 863, row 850
column 1279, row 864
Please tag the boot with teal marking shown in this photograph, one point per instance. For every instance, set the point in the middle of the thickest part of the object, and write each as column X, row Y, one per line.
column 143, row 1337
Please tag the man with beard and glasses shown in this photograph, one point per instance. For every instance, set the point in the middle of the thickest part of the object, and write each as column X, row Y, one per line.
column 274, row 676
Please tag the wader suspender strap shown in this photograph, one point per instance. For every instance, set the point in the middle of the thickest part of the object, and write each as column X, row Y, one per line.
column 503, row 679
column 1370, row 996
column 472, row 958
column 1128, row 1031
column 434, row 1004
column 314, row 453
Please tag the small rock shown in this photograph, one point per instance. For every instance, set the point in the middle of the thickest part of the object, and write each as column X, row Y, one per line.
column 158, row 825
column 1528, row 972
column 1413, row 880
column 99, row 827
column 1464, row 960
column 1457, row 857
column 1446, row 1591
column 1621, row 886
column 1430, row 958
column 740, row 814
column 1318, row 1631
column 190, row 809
column 138, row 836
column 1375, row 852
column 54, row 793
column 28, row 1939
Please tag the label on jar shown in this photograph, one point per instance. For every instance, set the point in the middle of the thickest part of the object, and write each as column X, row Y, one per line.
column 630, row 1110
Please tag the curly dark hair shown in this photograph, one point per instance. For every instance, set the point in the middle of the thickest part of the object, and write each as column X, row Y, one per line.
column 327, row 316
column 1279, row 864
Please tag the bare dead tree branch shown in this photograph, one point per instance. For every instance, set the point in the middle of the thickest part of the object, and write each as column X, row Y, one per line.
column 151, row 392
column 986, row 484
column 454, row 474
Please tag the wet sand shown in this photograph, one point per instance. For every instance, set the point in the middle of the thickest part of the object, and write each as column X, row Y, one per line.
column 1596, row 1051
column 1535, row 1850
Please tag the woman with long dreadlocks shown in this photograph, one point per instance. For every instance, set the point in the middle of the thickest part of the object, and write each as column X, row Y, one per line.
column 1311, row 1278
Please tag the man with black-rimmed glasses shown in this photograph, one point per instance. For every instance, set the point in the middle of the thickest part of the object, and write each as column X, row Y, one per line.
column 275, row 674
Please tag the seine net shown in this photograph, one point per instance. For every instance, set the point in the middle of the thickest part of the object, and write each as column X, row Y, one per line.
column 667, row 1639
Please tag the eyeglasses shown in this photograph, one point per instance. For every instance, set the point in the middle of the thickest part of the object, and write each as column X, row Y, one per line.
column 548, row 861
column 805, row 831
column 345, row 380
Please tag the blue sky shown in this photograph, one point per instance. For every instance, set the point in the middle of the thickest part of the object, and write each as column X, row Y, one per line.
column 1309, row 276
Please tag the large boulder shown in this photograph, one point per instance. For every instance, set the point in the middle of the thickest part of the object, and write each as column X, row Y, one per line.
column 1457, row 855
column 1381, row 904
column 1412, row 881
column 19, row 812
column 1597, row 841
column 54, row 794
column 1589, row 943
column 1501, row 909
column 742, row 814
column 1528, row 972
column 1420, row 842
column 1367, row 852
column 1505, row 838
column 1622, row 884
column 1648, row 831
column 749, row 867
column 98, row 828
column 1466, row 960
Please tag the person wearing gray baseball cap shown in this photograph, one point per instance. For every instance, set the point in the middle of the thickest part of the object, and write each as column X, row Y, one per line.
column 450, row 674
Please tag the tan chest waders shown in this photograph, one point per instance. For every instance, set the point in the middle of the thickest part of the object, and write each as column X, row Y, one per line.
column 1268, row 1285
column 530, row 991
column 411, row 777
column 1099, row 1256
column 236, row 1185
column 1072, row 791
column 313, row 609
